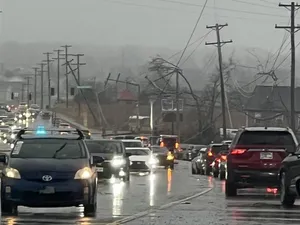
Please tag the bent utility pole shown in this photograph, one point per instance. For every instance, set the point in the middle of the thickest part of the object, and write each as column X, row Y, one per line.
column 78, row 64
column 35, row 82
column 292, row 29
column 42, row 84
column 66, row 47
column 177, row 105
column 48, row 60
column 27, row 89
column 58, row 58
column 219, row 45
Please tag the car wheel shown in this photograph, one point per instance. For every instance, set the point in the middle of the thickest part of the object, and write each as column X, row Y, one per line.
column 9, row 208
column 230, row 189
column 222, row 175
column 286, row 198
column 216, row 174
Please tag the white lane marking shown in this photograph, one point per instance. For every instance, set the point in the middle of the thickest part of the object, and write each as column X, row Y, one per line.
column 168, row 205
column 262, row 210
column 265, row 219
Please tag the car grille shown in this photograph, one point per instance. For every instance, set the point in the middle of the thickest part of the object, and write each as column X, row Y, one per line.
column 60, row 196
column 56, row 177
column 138, row 165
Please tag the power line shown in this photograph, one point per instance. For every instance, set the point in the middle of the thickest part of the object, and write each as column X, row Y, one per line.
column 255, row 4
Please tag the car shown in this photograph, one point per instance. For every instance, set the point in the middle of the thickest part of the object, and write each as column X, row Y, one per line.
column 219, row 164
column 208, row 157
column 64, row 125
column 197, row 162
column 142, row 160
column 49, row 171
column 289, row 177
column 192, row 152
column 116, row 162
column 87, row 134
column 46, row 115
column 123, row 137
column 255, row 157
column 160, row 153
column 131, row 143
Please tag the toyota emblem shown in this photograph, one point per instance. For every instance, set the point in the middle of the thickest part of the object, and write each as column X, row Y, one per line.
column 47, row 178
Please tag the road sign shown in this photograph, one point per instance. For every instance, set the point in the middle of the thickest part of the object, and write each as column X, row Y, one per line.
column 169, row 105
column 84, row 87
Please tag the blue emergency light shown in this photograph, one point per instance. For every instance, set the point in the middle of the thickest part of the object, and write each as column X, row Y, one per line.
column 41, row 130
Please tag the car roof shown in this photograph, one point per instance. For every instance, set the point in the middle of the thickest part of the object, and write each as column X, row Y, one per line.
column 103, row 140
column 135, row 148
column 216, row 144
column 60, row 137
column 267, row 129
column 129, row 140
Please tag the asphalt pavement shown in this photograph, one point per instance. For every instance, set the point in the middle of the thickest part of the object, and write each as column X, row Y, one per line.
column 119, row 201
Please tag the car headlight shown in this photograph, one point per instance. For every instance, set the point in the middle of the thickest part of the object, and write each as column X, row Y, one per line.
column 4, row 135
column 198, row 160
column 83, row 174
column 13, row 136
column 2, row 123
column 14, row 127
column 16, row 119
column 28, row 115
column 116, row 162
column 11, row 173
column 153, row 160
column 24, row 114
column 20, row 116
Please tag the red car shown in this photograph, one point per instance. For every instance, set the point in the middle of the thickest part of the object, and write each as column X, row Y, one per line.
column 255, row 157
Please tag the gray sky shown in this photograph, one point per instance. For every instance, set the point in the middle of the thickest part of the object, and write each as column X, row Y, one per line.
column 165, row 23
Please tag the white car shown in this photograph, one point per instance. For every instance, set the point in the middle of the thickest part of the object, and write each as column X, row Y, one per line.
column 142, row 160
column 132, row 143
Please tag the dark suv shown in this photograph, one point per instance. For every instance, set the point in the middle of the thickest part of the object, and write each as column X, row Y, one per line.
column 116, row 159
column 255, row 157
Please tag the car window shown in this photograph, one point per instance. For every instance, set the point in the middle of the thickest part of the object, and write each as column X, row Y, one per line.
column 138, row 151
column 132, row 144
column 48, row 148
column 159, row 149
column 266, row 138
column 215, row 149
column 104, row 147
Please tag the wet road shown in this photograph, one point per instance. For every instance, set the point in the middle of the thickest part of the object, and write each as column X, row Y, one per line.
column 118, row 200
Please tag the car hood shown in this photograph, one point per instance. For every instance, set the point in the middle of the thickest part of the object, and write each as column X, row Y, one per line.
column 63, row 165
column 139, row 158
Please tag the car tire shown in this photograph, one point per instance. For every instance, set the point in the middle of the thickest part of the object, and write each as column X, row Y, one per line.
column 90, row 209
column 9, row 208
column 216, row 174
column 230, row 189
column 286, row 198
column 222, row 175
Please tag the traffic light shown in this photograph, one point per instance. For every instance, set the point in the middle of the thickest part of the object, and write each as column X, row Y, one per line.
column 29, row 96
column 52, row 91
column 12, row 96
column 72, row 91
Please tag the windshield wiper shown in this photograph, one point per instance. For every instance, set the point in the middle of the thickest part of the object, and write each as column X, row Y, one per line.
column 58, row 150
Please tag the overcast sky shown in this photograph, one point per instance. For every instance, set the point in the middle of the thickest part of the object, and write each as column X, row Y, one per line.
column 165, row 23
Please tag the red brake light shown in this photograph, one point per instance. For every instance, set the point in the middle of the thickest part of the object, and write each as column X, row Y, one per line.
column 237, row 151
column 209, row 153
column 218, row 160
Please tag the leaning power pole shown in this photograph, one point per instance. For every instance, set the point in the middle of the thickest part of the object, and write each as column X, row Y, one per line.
column 78, row 64
column 292, row 29
column 48, row 60
column 27, row 89
column 42, row 65
column 66, row 47
column 58, row 58
column 35, row 82
column 219, row 45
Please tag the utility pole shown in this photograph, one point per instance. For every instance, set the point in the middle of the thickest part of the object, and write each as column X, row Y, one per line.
column 66, row 47
column 219, row 45
column 292, row 29
column 42, row 84
column 48, row 60
column 27, row 84
column 177, row 105
column 78, row 64
column 138, row 99
column 35, row 81
column 58, row 58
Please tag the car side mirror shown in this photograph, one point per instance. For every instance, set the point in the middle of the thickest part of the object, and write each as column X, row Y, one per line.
column 128, row 154
column 98, row 159
column 3, row 158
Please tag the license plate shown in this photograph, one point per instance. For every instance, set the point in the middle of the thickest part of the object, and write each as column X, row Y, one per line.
column 266, row 155
column 47, row 190
column 99, row 169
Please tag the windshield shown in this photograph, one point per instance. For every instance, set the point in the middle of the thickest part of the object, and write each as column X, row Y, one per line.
column 266, row 138
column 132, row 144
column 216, row 149
column 138, row 151
column 159, row 149
column 48, row 148
column 109, row 147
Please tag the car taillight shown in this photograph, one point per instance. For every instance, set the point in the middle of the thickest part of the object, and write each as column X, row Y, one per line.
column 223, row 157
column 238, row 151
column 218, row 160
column 209, row 153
